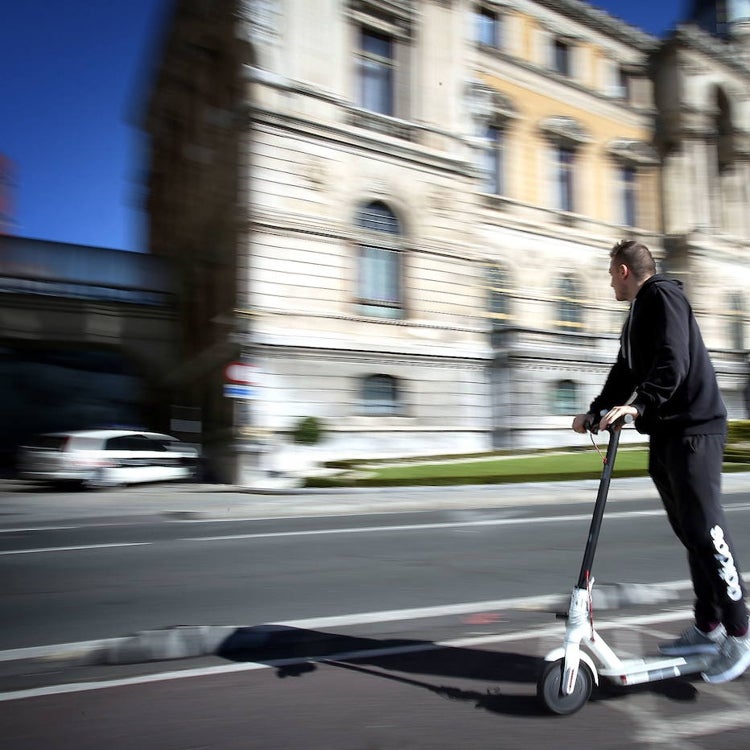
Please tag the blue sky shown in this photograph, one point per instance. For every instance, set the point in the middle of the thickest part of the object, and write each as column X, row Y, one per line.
column 73, row 79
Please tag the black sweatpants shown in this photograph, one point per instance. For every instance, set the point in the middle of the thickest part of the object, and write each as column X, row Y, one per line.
column 686, row 470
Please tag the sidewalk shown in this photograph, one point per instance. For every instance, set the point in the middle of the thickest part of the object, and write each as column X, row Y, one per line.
column 20, row 504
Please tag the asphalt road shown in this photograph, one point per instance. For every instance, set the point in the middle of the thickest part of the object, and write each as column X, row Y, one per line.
column 401, row 628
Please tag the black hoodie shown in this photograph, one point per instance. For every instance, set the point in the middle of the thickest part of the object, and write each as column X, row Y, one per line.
column 663, row 367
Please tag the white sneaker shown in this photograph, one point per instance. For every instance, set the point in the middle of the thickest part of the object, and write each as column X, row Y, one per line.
column 732, row 661
column 694, row 641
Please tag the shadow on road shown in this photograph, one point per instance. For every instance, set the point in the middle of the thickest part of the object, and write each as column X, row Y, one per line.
column 295, row 651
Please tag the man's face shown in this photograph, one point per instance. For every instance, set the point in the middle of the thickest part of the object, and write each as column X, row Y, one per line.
column 619, row 273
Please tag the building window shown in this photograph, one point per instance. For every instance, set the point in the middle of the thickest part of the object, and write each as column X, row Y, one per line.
column 487, row 27
column 498, row 295
column 564, row 156
column 628, row 180
column 566, row 137
column 568, row 305
column 724, row 129
column 561, row 56
column 379, row 262
column 565, row 399
column 623, row 84
column 380, row 395
column 737, row 323
column 493, row 158
column 376, row 69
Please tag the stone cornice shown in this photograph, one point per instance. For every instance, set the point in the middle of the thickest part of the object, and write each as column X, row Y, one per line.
column 399, row 13
column 363, row 140
column 690, row 35
column 345, row 353
column 601, row 20
column 633, row 150
column 565, row 128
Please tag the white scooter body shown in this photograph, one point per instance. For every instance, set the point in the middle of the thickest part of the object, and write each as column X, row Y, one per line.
column 583, row 643
column 566, row 682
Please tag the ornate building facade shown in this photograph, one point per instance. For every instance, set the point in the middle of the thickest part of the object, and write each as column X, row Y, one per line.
column 399, row 212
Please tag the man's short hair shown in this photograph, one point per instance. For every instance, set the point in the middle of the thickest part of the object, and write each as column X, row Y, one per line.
column 636, row 256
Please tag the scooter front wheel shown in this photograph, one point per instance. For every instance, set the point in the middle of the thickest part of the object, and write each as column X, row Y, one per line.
column 549, row 688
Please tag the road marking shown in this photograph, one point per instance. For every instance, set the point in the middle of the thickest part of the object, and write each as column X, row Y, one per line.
column 38, row 528
column 77, row 548
column 546, row 631
column 80, row 687
column 662, row 732
column 57, row 650
column 423, row 526
column 442, row 525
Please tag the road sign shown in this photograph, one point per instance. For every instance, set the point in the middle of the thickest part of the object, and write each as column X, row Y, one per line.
column 240, row 372
column 239, row 390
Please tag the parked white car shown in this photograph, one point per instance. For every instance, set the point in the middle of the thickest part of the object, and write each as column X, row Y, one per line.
column 107, row 458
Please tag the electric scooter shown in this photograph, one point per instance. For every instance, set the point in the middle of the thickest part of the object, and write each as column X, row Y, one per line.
column 572, row 670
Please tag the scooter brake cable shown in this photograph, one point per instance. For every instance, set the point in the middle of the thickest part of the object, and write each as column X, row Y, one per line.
column 593, row 442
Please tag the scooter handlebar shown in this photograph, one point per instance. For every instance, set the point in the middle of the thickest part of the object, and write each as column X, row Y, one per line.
column 592, row 425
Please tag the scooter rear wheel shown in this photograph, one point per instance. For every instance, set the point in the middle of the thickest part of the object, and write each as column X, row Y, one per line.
column 549, row 688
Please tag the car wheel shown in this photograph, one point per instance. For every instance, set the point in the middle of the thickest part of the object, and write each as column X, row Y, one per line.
column 100, row 480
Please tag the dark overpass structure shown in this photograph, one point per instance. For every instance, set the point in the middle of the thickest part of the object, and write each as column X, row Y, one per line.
column 87, row 339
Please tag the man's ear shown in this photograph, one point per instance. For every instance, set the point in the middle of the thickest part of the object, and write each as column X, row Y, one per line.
column 623, row 270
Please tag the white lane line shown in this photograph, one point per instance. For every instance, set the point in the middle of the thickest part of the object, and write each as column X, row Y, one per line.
column 661, row 732
column 442, row 525
column 80, row 687
column 541, row 632
column 424, row 526
column 57, row 650
column 76, row 548
column 39, row 528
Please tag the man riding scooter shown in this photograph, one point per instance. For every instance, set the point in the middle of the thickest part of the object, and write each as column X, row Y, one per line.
column 664, row 379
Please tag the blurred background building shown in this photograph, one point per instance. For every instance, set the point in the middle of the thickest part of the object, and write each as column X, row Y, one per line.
column 398, row 212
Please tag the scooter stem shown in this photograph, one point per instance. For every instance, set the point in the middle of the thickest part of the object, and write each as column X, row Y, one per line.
column 598, row 514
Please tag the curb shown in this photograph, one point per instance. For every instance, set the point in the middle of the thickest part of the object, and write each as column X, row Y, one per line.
column 272, row 641
column 178, row 642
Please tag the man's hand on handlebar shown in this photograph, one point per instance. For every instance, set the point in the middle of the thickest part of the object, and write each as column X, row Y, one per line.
column 617, row 415
column 582, row 423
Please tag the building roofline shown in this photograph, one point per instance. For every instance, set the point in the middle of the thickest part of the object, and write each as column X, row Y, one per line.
column 615, row 27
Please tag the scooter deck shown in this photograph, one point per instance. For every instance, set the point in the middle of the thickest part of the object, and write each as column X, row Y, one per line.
column 650, row 669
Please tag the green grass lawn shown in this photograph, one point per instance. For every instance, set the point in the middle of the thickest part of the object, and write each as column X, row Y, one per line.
column 530, row 466
column 540, row 467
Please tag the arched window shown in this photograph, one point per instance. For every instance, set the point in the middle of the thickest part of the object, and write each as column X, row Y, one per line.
column 380, row 395
column 565, row 397
column 379, row 262
column 569, row 312
column 498, row 300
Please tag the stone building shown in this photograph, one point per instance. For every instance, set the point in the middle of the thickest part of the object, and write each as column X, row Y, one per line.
column 398, row 212
column 702, row 85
